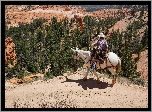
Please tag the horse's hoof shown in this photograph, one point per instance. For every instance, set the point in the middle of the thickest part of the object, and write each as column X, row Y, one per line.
column 113, row 82
column 84, row 79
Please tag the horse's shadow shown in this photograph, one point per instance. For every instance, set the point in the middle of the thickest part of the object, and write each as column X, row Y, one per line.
column 90, row 83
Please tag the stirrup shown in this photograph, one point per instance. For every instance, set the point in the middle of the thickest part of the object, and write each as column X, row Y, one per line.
column 93, row 66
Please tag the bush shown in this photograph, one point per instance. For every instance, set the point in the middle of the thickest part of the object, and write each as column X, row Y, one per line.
column 139, row 81
column 16, row 71
column 32, row 67
column 48, row 75
column 144, row 40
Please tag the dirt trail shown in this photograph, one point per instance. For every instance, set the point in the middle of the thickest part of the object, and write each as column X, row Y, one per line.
column 74, row 92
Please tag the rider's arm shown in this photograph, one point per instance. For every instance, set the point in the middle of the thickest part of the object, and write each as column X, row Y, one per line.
column 95, row 43
column 106, row 45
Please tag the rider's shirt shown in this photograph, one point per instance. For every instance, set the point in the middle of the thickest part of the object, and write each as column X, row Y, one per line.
column 101, row 44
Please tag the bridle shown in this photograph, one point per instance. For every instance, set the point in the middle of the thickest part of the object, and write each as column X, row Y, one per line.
column 77, row 56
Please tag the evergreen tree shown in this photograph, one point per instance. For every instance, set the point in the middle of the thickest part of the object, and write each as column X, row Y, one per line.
column 144, row 40
column 39, row 45
column 115, row 42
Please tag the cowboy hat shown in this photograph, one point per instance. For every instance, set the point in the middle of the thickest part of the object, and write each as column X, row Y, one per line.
column 101, row 35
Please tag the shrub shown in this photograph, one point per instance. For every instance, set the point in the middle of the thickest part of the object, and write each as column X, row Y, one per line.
column 144, row 40
column 48, row 75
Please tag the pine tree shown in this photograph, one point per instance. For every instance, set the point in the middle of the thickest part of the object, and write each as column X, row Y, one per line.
column 144, row 40
column 128, row 64
column 115, row 42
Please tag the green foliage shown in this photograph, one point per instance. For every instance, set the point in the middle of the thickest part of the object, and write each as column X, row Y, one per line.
column 32, row 67
column 38, row 23
column 16, row 71
column 128, row 65
column 48, row 75
column 39, row 45
column 139, row 81
column 110, row 21
column 115, row 42
column 144, row 40
column 130, row 46
column 135, row 25
column 125, row 44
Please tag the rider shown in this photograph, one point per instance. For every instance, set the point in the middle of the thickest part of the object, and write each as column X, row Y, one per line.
column 102, row 45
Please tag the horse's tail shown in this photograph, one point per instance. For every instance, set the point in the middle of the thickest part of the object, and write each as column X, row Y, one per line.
column 119, row 65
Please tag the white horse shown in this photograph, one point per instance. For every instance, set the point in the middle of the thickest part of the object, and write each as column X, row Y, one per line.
column 112, row 60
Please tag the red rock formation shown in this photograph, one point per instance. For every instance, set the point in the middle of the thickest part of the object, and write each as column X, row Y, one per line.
column 79, row 21
column 10, row 53
column 66, row 8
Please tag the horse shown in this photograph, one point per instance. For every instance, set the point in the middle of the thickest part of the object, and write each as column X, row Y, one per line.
column 111, row 61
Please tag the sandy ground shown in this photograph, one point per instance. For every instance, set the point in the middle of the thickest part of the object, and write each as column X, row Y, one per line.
column 76, row 93
column 142, row 65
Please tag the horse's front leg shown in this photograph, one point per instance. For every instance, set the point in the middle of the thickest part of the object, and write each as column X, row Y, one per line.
column 95, row 73
column 85, row 78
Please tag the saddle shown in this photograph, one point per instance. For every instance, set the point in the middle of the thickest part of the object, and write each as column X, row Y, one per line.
column 98, row 55
column 101, row 56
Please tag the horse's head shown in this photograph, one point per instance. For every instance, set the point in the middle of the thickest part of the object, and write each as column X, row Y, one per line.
column 76, row 54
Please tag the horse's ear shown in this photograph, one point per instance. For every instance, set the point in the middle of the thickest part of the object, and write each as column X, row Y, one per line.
column 72, row 49
column 77, row 48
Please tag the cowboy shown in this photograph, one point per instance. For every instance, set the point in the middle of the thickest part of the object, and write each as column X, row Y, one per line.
column 102, row 48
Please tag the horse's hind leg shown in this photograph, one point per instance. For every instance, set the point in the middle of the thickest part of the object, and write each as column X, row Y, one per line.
column 113, row 71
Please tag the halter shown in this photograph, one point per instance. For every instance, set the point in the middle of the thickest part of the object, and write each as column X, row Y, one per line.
column 77, row 56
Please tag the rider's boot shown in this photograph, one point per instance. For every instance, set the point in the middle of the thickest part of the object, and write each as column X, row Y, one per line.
column 93, row 63
column 93, row 66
